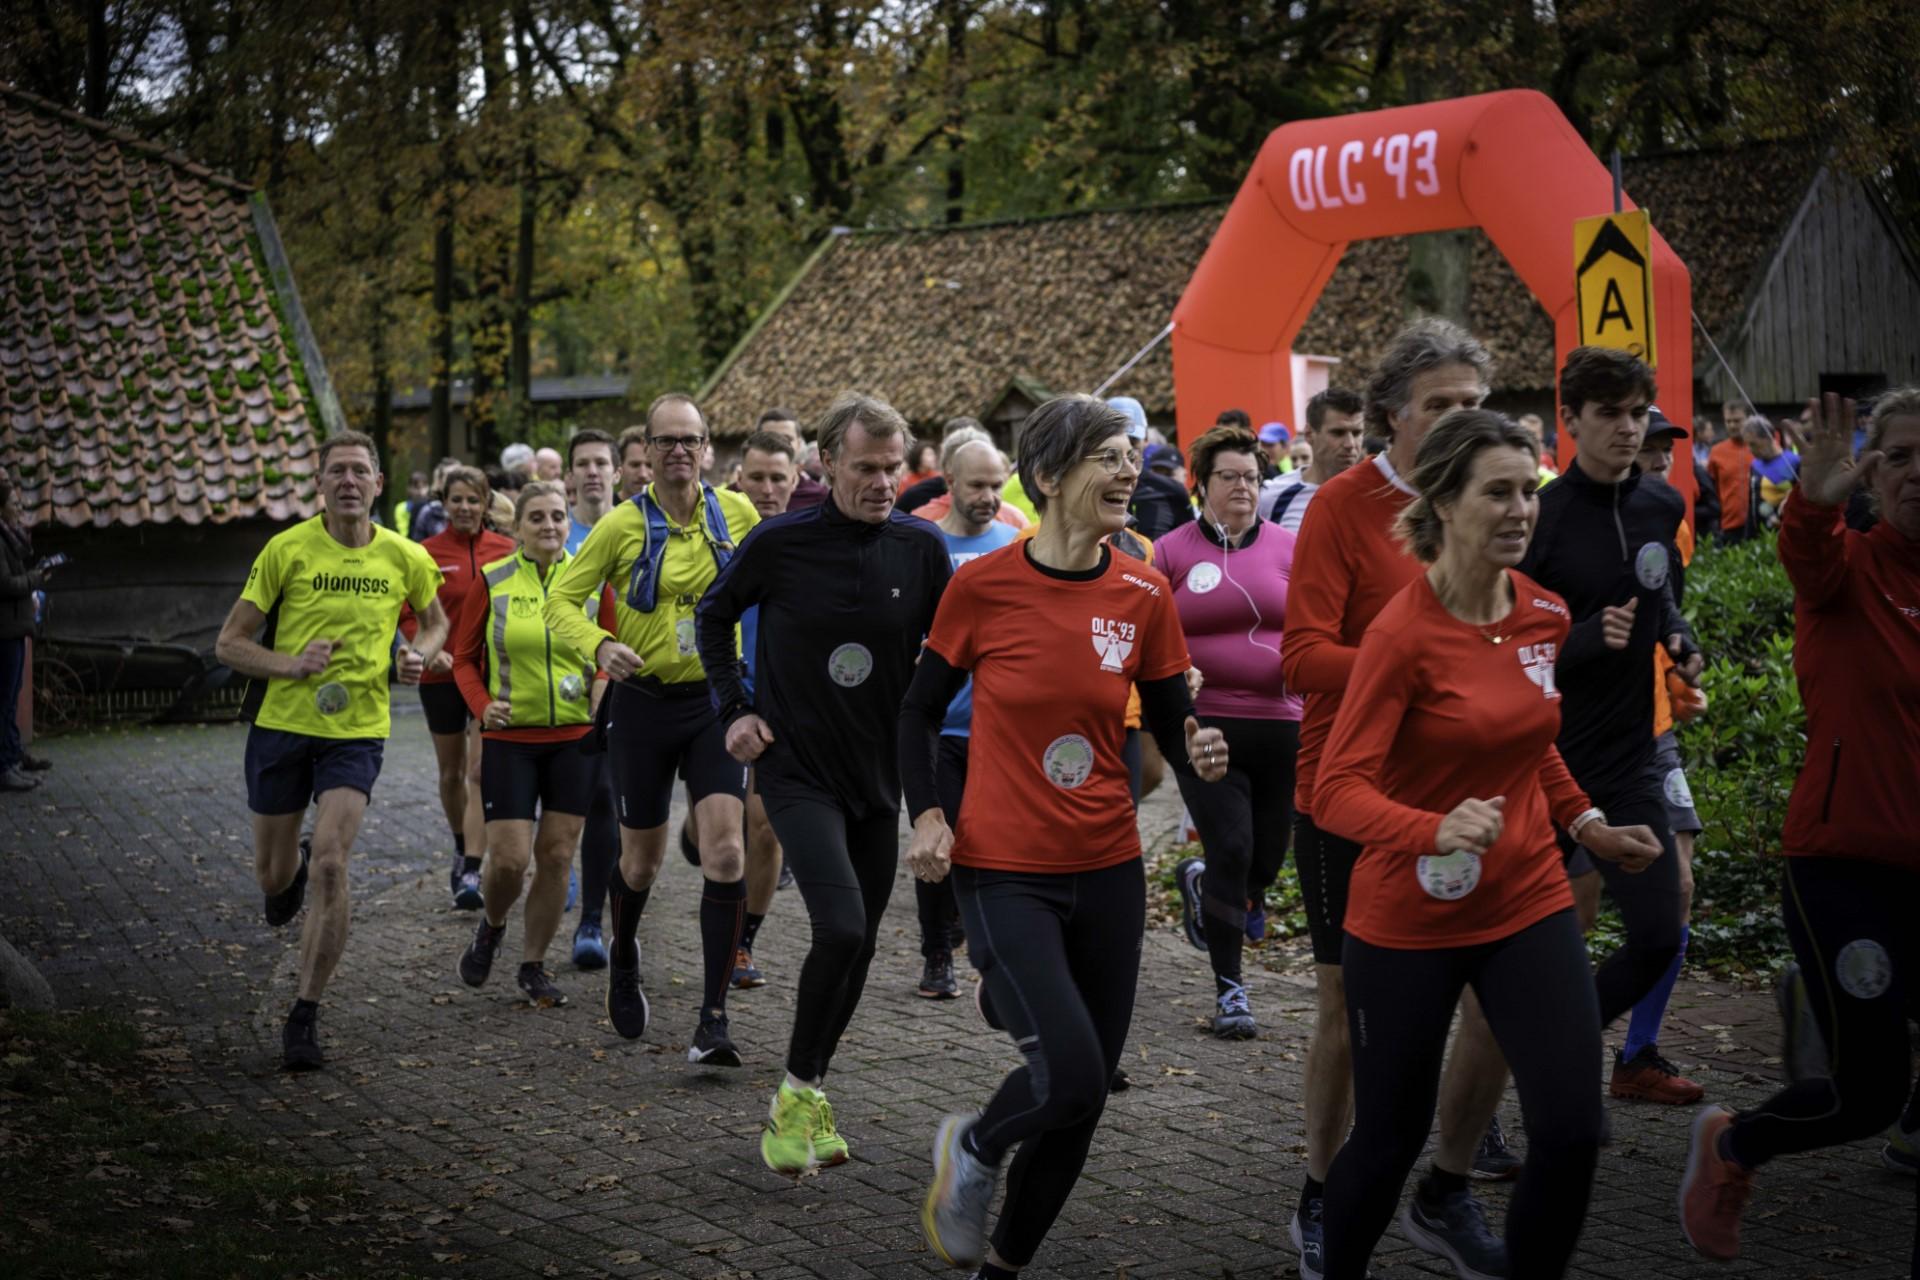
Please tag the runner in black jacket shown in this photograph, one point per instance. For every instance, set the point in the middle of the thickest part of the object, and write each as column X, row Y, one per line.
column 1605, row 543
column 847, row 591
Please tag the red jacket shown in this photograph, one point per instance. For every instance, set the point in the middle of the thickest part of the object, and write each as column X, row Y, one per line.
column 459, row 558
column 1856, row 652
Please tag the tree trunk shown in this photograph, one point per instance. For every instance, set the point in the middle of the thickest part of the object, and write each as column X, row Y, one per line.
column 489, row 338
column 956, row 130
column 99, row 61
column 440, row 377
column 520, row 358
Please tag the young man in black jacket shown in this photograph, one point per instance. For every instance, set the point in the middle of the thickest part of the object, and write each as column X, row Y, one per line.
column 847, row 591
column 1604, row 541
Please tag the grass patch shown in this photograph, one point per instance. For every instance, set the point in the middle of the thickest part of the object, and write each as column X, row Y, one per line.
column 100, row 1179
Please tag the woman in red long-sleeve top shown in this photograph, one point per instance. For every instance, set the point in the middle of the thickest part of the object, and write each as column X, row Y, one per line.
column 1441, row 764
column 459, row 549
column 1852, row 838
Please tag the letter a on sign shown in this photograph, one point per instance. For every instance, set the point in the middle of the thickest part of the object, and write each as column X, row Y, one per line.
column 1613, row 277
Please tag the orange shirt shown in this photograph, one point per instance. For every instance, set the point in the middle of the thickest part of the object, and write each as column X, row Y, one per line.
column 1346, row 566
column 1673, row 698
column 1435, row 715
column 1130, row 543
column 937, row 508
column 1052, row 660
column 1730, row 463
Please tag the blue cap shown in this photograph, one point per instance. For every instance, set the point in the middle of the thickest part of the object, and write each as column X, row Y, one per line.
column 1158, row 454
column 1276, row 433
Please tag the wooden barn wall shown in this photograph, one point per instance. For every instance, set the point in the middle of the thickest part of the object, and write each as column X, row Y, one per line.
column 167, row 583
column 1840, row 297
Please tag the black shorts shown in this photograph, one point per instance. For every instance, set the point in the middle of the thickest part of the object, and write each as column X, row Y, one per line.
column 651, row 737
column 559, row 776
column 446, row 708
column 1326, row 869
column 286, row 771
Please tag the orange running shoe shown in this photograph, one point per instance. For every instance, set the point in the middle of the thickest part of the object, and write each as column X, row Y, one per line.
column 1714, row 1190
column 1648, row 1077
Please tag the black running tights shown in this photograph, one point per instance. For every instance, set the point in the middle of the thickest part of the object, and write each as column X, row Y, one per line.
column 844, row 867
column 1060, row 955
column 599, row 846
column 1244, row 821
column 1851, row 925
column 1538, row 995
column 1649, row 903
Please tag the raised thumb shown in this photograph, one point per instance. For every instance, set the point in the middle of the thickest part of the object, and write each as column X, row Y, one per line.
column 1192, row 726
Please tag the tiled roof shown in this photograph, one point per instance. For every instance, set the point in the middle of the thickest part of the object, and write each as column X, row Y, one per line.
column 149, row 365
column 937, row 320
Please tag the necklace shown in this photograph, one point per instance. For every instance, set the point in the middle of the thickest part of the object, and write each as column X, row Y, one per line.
column 1486, row 631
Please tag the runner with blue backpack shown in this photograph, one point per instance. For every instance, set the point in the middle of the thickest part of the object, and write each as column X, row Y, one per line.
column 660, row 551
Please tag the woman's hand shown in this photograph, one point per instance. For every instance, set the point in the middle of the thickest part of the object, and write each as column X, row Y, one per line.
column 616, row 659
column 930, row 851
column 1207, row 750
column 442, row 663
column 1633, row 848
column 1474, row 825
column 1828, row 470
column 498, row 715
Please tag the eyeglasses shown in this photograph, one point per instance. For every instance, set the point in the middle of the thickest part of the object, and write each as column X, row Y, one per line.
column 1111, row 460
column 667, row 444
column 1238, row 477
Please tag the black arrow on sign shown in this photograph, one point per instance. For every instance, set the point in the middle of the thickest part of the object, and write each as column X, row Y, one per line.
column 1611, row 240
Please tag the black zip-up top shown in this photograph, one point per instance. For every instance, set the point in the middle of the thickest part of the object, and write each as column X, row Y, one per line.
column 844, row 607
column 1598, row 544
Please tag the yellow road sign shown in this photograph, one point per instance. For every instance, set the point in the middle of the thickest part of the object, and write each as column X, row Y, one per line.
column 1613, row 278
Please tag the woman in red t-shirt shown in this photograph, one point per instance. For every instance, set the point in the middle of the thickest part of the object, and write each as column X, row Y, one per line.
column 1441, row 764
column 459, row 549
column 1046, row 865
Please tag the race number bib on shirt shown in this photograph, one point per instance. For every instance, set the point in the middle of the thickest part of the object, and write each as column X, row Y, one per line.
column 1449, row 877
column 1068, row 761
column 1203, row 577
column 850, row 665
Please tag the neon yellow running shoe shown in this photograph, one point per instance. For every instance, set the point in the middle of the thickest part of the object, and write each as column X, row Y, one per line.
column 800, row 1133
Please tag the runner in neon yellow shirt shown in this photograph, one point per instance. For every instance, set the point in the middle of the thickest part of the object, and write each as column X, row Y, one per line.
column 324, row 597
column 659, row 551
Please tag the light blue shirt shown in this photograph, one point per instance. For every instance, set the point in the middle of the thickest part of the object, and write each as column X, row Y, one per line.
column 959, row 721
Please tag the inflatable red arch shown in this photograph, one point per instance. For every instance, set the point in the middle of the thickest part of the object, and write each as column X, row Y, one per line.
column 1506, row 162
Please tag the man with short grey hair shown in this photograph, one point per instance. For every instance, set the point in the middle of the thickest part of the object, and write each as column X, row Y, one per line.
column 846, row 591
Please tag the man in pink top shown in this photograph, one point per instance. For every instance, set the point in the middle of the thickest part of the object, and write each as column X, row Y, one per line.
column 1229, row 571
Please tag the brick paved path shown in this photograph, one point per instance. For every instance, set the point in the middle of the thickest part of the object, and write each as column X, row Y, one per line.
column 537, row 1143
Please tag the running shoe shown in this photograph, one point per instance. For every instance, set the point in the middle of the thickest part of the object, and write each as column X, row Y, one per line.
column 589, row 947
column 573, row 890
column 453, row 877
column 746, row 974
column 712, row 1046
column 1119, row 1081
column 1648, row 1077
column 1188, row 873
column 1309, row 1239
column 476, row 962
column 300, row 1041
column 688, row 849
column 1803, row 1049
column 799, row 1133
column 626, row 1002
column 34, row 764
column 1256, row 920
column 285, row 905
column 936, row 978
column 1456, row 1230
column 1495, row 1161
column 786, row 876
column 1714, row 1190
column 954, row 1215
column 1899, row 1154
column 537, row 984
column 467, row 896
column 1233, row 1018
column 17, row 779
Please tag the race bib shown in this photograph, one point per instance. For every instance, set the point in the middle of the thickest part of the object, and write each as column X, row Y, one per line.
column 1679, row 794
column 683, row 638
column 331, row 698
column 1203, row 577
column 1864, row 969
column 572, row 688
column 850, row 665
column 1067, row 761
column 1650, row 566
column 1449, row 877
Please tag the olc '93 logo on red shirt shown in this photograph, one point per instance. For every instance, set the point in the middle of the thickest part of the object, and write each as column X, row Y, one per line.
column 1113, row 641
column 1537, row 661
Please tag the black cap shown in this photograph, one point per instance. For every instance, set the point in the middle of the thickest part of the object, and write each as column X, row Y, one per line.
column 1659, row 423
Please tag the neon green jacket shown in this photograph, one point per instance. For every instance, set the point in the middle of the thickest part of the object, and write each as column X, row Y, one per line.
column 508, row 654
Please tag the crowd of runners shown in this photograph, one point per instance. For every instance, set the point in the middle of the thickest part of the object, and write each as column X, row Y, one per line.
column 1401, row 644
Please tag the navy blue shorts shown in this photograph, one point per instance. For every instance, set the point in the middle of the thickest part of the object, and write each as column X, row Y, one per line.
column 285, row 771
